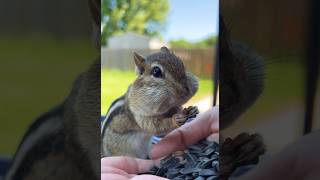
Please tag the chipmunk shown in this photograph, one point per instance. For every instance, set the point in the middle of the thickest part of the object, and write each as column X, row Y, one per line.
column 151, row 106
column 242, row 77
column 64, row 143
column 241, row 83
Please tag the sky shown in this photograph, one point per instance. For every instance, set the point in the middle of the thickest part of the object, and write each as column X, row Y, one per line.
column 192, row 20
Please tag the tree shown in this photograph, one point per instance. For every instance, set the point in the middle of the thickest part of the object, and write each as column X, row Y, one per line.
column 140, row 16
column 208, row 42
column 181, row 43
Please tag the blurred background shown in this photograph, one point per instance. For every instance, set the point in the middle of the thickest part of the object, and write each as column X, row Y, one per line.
column 189, row 29
column 280, row 32
column 44, row 45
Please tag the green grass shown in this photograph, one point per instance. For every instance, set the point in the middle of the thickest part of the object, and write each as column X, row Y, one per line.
column 115, row 83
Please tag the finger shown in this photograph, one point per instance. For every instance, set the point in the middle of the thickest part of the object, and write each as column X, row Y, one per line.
column 213, row 137
column 109, row 176
column 128, row 164
column 157, row 162
column 132, row 175
column 214, row 120
column 113, row 170
column 148, row 177
column 204, row 125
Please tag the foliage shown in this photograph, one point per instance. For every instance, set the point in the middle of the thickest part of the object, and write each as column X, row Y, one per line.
column 140, row 16
column 208, row 42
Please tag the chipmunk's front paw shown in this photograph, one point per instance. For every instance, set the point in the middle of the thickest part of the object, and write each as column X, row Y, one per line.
column 250, row 150
column 191, row 111
column 245, row 149
column 179, row 119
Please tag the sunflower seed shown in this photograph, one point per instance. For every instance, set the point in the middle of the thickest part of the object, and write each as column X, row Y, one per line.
column 161, row 172
column 200, row 178
column 189, row 170
column 207, row 172
column 199, row 162
column 213, row 178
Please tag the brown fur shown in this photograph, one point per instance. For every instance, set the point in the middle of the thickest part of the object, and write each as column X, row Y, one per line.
column 241, row 83
column 152, row 106
column 70, row 151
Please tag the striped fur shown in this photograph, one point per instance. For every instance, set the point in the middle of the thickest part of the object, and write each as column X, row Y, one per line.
column 41, row 132
column 118, row 103
column 64, row 143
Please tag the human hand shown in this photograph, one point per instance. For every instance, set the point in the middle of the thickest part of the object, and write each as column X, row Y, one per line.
column 206, row 125
column 124, row 168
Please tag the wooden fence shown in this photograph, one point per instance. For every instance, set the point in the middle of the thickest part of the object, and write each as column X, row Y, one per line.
column 198, row 61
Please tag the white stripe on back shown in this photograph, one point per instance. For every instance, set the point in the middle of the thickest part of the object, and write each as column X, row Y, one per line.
column 49, row 126
column 112, row 108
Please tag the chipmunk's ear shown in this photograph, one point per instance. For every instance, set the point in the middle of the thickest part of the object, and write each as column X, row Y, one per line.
column 164, row 49
column 140, row 62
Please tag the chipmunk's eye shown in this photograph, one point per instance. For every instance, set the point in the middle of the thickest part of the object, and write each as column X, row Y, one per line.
column 156, row 72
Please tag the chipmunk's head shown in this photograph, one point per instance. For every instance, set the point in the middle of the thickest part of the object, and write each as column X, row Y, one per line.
column 162, row 84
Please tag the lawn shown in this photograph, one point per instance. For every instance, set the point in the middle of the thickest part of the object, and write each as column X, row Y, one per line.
column 115, row 83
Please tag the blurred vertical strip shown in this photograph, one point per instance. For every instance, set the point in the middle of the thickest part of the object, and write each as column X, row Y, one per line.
column 216, row 76
column 44, row 46
column 217, row 67
column 312, row 68
column 95, row 6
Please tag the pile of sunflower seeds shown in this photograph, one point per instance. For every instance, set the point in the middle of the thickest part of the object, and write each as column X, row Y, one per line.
column 198, row 162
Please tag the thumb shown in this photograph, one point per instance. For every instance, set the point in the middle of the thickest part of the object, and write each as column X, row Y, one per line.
column 148, row 177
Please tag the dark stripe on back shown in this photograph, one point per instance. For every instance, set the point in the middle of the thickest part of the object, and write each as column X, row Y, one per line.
column 115, row 101
column 49, row 145
column 109, row 119
column 55, row 113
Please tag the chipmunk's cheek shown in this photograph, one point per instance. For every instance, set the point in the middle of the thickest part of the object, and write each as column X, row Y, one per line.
column 152, row 97
column 181, row 95
column 165, row 100
column 171, row 100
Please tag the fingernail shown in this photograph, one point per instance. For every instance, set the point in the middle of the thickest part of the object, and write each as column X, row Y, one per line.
column 213, row 137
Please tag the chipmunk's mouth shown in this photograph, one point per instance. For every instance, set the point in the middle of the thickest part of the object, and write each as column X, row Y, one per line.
column 169, row 112
column 166, row 107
